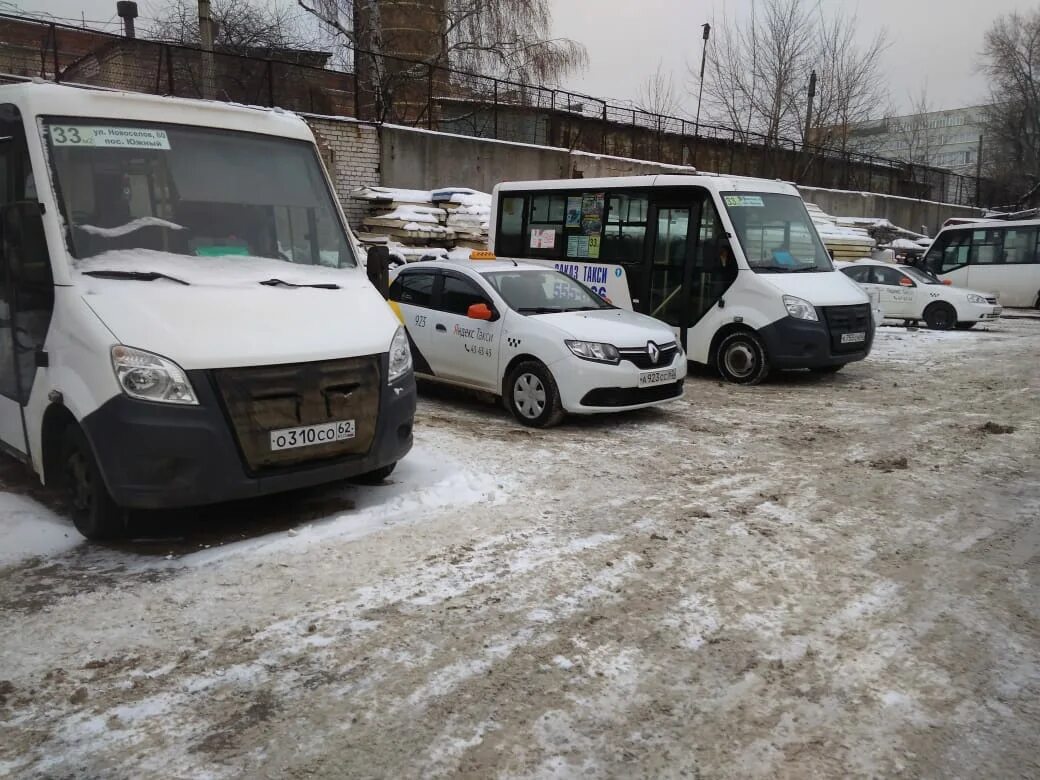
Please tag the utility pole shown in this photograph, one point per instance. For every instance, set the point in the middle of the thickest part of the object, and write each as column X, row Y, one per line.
column 206, row 41
column 978, row 175
column 706, row 30
column 808, row 112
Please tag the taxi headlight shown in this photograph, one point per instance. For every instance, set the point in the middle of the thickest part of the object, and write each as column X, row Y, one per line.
column 594, row 350
column 976, row 299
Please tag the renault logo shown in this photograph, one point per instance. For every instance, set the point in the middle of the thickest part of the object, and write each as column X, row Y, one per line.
column 654, row 352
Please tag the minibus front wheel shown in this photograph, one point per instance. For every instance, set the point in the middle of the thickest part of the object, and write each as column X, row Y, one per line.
column 94, row 513
column 741, row 358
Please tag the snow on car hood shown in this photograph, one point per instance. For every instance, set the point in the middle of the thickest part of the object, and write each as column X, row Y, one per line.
column 619, row 327
column 224, row 317
column 826, row 288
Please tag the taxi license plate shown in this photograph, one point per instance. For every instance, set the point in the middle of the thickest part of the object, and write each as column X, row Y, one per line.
column 651, row 378
column 853, row 338
column 310, row 435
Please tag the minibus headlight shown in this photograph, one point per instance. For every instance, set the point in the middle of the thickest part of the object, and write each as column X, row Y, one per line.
column 800, row 309
column 594, row 350
column 149, row 377
column 976, row 299
column 400, row 356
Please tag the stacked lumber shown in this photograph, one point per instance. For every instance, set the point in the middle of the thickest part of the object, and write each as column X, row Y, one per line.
column 417, row 224
column 842, row 241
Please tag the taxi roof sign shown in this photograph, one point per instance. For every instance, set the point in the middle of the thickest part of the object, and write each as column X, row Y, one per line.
column 482, row 254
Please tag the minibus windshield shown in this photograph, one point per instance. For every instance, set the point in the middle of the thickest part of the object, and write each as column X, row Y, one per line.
column 543, row 292
column 776, row 233
column 196, row 191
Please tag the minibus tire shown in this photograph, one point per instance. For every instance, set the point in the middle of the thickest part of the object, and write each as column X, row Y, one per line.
column 940, row 316
column 94, row 513
column 538, row 378
column 375, row 477
column 742, row 344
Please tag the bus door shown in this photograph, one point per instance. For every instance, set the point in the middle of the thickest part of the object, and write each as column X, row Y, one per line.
column 692, row 262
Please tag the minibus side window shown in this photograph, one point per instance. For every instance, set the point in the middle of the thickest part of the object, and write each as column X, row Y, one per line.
column 26, row 283
column 545, row 226
column 950, row 251
column 986, row 247
column 624, row 235
column 1020, row 246
column 510, row 238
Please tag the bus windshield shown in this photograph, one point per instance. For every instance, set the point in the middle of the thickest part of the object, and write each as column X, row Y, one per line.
column 776, row 233
column 543, row 292
column 195, row 191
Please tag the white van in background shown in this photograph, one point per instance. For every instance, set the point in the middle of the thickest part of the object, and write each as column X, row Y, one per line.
column 184, row 319
column 998, row 257
column 733, row 264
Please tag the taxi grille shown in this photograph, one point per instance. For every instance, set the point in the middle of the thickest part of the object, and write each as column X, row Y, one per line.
column 848, row 319
column 630, row 396
column 258, row 400
column 640, row 356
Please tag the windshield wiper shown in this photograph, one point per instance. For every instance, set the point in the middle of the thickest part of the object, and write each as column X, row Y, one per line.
column 280, row 283
column 780, row 268
column 540, row 310
column 136, row 276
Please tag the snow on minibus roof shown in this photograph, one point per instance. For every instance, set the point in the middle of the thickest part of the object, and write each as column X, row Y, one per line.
column 987, row 224
column 48, row 99
column 710, row 180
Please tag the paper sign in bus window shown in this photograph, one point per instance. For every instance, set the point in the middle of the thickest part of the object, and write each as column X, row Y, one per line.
column 573, row 211
column 783, row 257
column 543, row 238
column 743, row 201
column 109, row 137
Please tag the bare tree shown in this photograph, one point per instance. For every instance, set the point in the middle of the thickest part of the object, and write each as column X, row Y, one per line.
column 658, row 94
column 758, row 73
column 916, row 141
column 242, row 26
column 1011, row 60
column 507, row 39
column 850, row 87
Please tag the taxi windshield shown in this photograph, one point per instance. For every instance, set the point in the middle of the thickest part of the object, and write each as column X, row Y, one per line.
column 776, row 233
column 195, row 191
column 543, row 292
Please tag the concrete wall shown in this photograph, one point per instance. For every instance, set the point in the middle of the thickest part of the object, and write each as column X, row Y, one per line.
column 421, row 159
column 904, row 212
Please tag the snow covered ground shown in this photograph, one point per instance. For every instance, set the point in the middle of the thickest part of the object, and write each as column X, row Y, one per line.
column 822, row 576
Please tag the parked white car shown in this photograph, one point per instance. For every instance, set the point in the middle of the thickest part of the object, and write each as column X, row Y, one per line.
column 910, row 294
column 541, row 340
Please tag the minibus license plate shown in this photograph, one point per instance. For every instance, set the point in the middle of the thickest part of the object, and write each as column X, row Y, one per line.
column 853, row 338
column 651, row 378
column 308, row 435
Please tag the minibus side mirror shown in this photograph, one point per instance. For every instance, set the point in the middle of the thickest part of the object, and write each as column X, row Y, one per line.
column 378, row 269
column 23, row 237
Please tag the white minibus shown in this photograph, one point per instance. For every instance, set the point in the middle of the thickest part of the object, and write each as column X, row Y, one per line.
column 998, row 257
column 733, row 264
column 182, row 318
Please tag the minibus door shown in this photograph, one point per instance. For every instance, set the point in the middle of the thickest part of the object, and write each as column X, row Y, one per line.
column 669, row 247
column 26, row 283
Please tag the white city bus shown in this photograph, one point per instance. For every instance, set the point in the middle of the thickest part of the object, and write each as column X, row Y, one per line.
column 733, row 264
column 182, row 317
column 998, row 257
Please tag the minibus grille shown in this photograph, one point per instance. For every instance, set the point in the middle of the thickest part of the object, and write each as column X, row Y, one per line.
column 261, row 399
column 640, row 356
column 848, row 319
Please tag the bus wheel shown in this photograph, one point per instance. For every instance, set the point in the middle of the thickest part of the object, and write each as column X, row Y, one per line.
column 94, row 513
column 940, row 316
column 530, row 393
column 742, row 359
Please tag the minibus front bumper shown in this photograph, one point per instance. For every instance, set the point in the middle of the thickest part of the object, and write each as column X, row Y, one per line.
column 794, row 343
column 160, row 456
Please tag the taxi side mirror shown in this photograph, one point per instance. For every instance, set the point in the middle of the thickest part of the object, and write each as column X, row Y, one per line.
column 479, row 311
column 906, row 282
column 947, row 282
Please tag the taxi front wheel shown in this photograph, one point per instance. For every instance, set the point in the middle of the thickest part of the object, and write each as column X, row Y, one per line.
column 531, row 394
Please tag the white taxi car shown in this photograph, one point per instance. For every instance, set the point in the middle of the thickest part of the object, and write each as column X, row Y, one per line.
column 910, row 294
column 536, row 337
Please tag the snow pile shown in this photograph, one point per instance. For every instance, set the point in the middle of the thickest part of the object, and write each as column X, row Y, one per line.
column 416, row 224
column 29, row 530
column 129, row 227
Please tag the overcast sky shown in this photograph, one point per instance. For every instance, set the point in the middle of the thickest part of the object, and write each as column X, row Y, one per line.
column 933, row 41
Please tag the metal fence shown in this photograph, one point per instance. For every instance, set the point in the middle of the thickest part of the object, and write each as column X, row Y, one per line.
column 394, row 90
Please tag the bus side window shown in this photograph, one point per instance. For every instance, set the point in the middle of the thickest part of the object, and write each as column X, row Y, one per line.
column 950, row 251
column 986, row 247
column 625, row 230
column 510, row 238
column 1020, row 246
